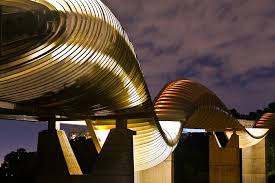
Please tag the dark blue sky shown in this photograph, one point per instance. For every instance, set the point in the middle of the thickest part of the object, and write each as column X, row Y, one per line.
column 14, row 134
column 226, row 45
column 18, row 134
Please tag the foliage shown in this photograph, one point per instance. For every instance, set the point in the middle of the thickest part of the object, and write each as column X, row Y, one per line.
column 23, row 163
column 191, row 158
column 271, row 156
column 254, row 115
column 19, row 163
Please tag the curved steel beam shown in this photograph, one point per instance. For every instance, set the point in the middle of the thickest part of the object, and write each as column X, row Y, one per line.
column 85, row 66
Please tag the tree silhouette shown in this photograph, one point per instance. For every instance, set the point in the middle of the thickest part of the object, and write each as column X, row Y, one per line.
column 23, row 163
column 271, row 157
column 19, row 163
column 271, row 147
column 235, row 113
column 254, row 115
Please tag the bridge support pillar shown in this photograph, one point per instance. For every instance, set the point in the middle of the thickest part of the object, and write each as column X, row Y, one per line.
column 115, row 162
column 224, row 163
column 55, row 155
column 254, row 161
column 162, row 173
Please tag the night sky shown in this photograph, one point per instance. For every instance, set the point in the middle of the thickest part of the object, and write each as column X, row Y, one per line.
column 226, row 45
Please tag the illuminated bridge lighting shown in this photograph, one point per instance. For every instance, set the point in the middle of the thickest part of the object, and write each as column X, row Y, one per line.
column 192, row 130
column 84, row 67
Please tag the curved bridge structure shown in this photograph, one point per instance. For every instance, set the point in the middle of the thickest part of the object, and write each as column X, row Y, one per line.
column 78, row 63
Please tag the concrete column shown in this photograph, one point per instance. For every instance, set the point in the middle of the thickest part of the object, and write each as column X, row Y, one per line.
column 162, row 173
column 93, row 135
column 51, row 125
column 55, row 155
column 254, row 163
column 115, row 162
column 224, row 163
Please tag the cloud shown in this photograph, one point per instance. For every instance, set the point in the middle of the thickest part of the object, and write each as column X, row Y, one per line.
column 226, row 45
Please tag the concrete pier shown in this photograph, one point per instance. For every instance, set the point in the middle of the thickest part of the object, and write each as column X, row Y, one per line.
column 224, row 163
column 56, row 157
column 254, row 163
column 115, row 162
column 162, row 173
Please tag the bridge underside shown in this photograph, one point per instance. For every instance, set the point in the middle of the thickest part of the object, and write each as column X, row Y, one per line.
column 72, row 60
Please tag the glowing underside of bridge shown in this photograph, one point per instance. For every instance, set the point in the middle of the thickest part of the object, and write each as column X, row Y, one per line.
column 86, row 67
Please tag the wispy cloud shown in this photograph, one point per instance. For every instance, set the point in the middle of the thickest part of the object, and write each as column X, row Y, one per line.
column 226, row 45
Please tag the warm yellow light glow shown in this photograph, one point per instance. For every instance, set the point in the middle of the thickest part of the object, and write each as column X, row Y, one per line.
column 79, row 123
column 245, row 139
column 111, row 65
column 56, row 5
column 257, row 132
column 101, row 131
column 70, row 159
column 102, row 136
column 171, row 128
column 87, row 57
